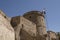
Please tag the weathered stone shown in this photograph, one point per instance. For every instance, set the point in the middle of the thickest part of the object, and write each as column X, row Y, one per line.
column 30, row 26
column 37, row 17
column 52, row 35
column 29, row 29
column 6, row 30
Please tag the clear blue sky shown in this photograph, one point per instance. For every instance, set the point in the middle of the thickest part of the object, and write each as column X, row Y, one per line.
column 19, row 7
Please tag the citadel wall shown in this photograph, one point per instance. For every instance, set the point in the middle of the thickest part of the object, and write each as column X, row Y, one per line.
column 6, row 29
column 28, row 27
column 38, row 18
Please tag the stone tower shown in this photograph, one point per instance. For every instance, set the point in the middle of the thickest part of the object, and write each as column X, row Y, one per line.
column 37, row 17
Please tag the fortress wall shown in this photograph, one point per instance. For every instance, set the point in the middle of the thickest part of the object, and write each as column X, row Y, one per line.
column 23, row 27
column 29, row 26
column 6, row 30
column 28, row 29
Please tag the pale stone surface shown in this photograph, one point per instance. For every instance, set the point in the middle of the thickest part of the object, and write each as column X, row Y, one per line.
column 6, row 30
column 41, row 27
column 52, row 35
column 5, row 33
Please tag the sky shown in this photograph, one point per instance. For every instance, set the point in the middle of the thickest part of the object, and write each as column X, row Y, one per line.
column 19, row 7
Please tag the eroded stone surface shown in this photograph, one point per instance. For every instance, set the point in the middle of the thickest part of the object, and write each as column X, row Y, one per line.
column 6, row 30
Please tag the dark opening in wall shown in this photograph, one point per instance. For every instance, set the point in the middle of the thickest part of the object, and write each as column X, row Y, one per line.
column 22, row 25
column 4, row 16
column 20, row 32
column 33, row 34
column 29, row 16
column 13, row 24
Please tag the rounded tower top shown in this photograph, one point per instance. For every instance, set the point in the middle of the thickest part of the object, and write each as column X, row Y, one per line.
column 38, row 13
column 33, row 15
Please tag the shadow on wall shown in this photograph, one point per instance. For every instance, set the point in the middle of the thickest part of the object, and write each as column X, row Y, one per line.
column 26, row 36
column 15, row 21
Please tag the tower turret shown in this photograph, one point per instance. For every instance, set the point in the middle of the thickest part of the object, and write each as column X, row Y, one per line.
column 41, row 26
column 39, row 19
